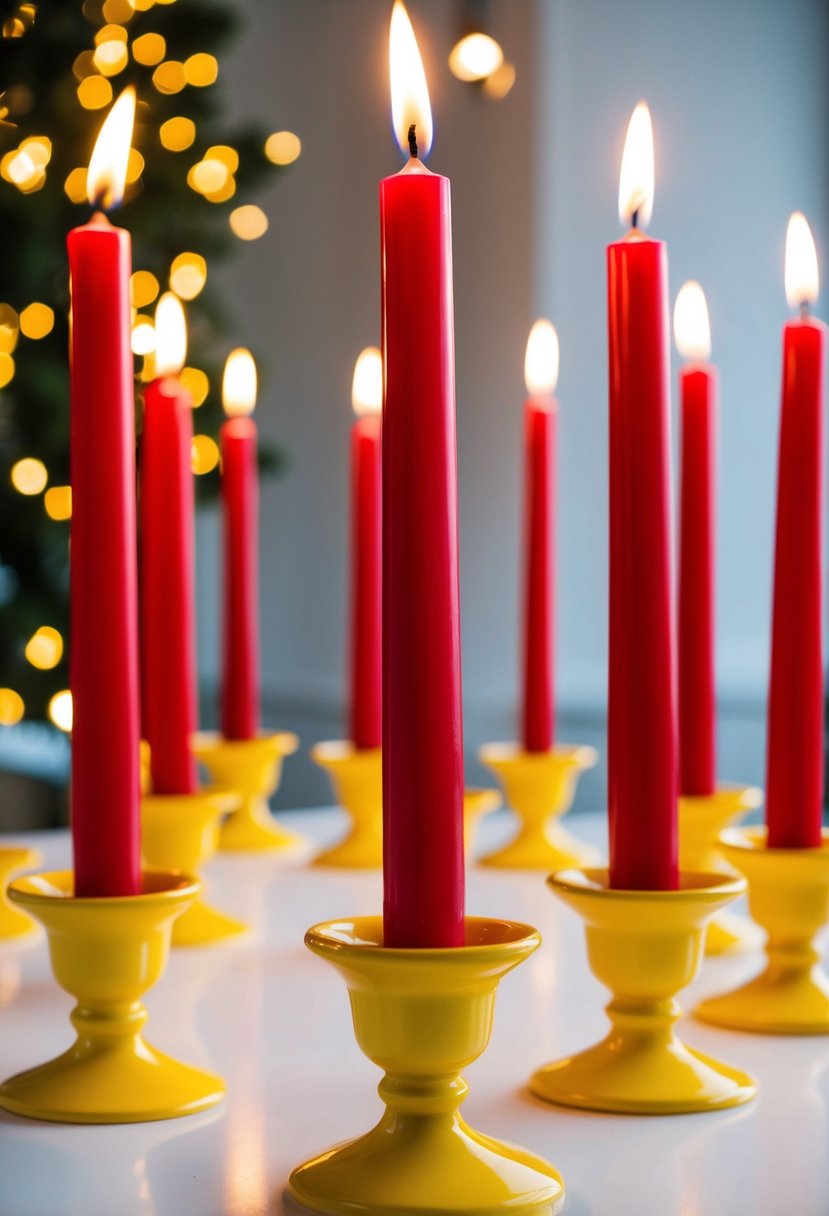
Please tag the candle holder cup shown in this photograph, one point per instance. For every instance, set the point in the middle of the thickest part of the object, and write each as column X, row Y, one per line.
column 107, row 952
column 539, row 787
column 422, row 1015
column 254, row 768
column 14, row 922
column 788, row 895
column 181, row 832
column 357, row 778
column 644, row 946
column 701, row 819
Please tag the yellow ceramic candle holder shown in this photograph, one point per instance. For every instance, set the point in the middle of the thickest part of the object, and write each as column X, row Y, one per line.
column 357, row 778
column 13, row 922
column 788, row 894
column 181, row 832
column 254, row 768
column 107, row 953
column 539, row 787
column 701, row 819
column 422, row 1016
column 644, row 946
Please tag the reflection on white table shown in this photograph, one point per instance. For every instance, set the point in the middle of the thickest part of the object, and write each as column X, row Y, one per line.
column 275, row 1022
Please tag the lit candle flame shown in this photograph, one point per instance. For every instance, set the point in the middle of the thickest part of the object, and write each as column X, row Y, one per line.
column 541, row 360
column 239, row 383
column 170, row 335
column 107, row 172
column 367, row 385
column 636, row 177
column 409, row 91
column 692, row 329
column 802, row 279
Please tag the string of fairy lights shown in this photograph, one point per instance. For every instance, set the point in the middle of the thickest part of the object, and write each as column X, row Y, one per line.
column 213, row 176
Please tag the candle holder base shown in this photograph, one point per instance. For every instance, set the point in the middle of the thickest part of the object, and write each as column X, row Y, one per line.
column 701, row 819
column 13, row 922
column 788, row 894
column 539, row 787
column 254, row 768
column 107, row 953
column 644, row 946
column 422, row 1015
column 357, row 778
column 181, row 832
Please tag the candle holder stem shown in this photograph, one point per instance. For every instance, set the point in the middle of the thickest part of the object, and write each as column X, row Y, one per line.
column 181, row 831
column 422, row 1015
column 107, row 952
column 539, row 787
column 701, row 819
column 788, row 895
column 253, row 767
column 644, row 946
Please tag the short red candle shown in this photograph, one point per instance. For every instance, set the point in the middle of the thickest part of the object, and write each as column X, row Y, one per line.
column 366, row 701
column 423, row 865
column 698, row 410
column 541, row 371
column 794, row 782
column 642, row 758
column 241, row 695
column 104, row 590
column 168, row 667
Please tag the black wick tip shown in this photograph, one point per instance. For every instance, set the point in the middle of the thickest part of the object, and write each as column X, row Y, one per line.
column 412, row 141
column 804, row 309
column 634, row 219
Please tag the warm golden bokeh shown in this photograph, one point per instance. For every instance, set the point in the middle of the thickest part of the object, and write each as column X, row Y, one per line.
column 169, row 77
column 144, row 288
column 283, row 147
column 201, row 70
column 188, row 275
column 149, row 49
column 94, row 92
column 29, row 475
column 37, row 320
column 177, row 134
column 196, row 383
column 11, row 707
column 248, row 222
column 204, row 454
column 44, row 648
column 60, row 710
column 58, row 502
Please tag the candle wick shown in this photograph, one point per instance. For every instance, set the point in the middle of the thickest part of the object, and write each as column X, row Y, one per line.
column 805, row 311
column 634, row 219
column 412, row 141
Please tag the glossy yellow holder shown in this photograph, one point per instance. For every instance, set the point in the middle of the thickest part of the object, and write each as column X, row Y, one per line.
column 13, row 922
column 422, row 1016
column 701, row 819
column 539, row 787
column 357, row 778
column 788, row 894
column 644, row 946
column 254, row 768
column 181, row 832
column 107, row 953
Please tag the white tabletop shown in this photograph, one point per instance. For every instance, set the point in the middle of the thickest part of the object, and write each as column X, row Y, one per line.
column 275, row 1022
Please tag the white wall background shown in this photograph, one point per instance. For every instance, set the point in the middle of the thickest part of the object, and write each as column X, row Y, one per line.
column 740, row 100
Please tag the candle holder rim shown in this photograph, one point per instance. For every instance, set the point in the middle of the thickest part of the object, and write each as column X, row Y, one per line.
column 364, row 934
column 583, row 753
column 332, row 750
column 693, row 885
column 284, row 742
column 751, row 796
column 222, row 797
column 752, row 839
column 18, row 855
column 49, row 887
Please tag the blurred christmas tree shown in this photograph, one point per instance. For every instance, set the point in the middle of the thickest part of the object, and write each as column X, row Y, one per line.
column 61, row 64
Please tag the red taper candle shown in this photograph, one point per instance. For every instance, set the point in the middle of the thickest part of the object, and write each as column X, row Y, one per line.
column 423, row 865
column 240, row 697
column 103, row 575
column 642, row 759
column 698, row 413
column 794, row 778
column 168, row 618
column 366, row 701
column 541, row 375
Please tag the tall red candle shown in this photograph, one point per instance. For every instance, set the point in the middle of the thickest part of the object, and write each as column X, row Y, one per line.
column 698, row 411
column 366, row 701
column 423, row 867
column 541, row 374
column 168, row 622
column 794, row 779
column 104, row 591
column 240, row 701
column 642, row 760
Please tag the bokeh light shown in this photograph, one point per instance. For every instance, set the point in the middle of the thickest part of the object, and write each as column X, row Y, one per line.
column 11, row 707
column 94, row 92
column 60, row 710
column 248, row 222
column 144, row 287
column 201, row 70
column 196, row 383
column 58, row 502
column 188, row 275
column 177, row 134
column 44, row 648
column 29, row 476
column 204, row 454
column 6, row 369
column 283, row 147
column 142, row 339
column 149, row 49
column 37, row 320
column 169, row 77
